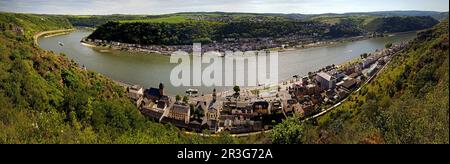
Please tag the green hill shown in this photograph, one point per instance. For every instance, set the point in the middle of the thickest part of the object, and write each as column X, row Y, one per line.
column 380, row 24
column 46, row 98
column 399, row 24
column 406, row 103
column 179, row 30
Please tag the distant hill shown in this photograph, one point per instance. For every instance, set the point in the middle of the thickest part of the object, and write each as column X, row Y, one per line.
column 411, row 13
column 97, row 20
column 399, row 24
column 441, row 16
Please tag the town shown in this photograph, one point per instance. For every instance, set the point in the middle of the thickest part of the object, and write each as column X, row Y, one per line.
column 260, row 108
column 232, row 44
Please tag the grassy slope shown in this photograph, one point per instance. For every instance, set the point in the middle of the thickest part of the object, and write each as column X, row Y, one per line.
column 407, row 103
column 46, row 98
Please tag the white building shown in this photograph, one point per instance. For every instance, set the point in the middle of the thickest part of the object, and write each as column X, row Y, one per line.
column 326, row 81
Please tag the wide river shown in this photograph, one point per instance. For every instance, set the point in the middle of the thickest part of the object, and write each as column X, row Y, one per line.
column 149, row 70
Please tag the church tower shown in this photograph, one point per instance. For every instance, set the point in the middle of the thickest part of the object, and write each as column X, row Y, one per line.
column 214, row 94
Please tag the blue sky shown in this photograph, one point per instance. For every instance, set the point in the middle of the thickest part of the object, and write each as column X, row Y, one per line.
column 254, row 6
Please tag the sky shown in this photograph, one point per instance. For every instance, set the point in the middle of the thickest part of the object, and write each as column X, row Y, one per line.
column 102, row 7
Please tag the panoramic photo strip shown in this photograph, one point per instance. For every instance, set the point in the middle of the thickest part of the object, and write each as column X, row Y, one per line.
column 263, row 72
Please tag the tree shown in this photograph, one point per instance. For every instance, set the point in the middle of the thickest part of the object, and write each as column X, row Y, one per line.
column 364, row 55
column 289, row 131
column 236, row 89
column 177, row 98
column 185, row 99
column 388, row 45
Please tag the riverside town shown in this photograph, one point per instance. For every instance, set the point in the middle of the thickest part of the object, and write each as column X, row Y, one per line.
column 217, row 72
column 260, row 108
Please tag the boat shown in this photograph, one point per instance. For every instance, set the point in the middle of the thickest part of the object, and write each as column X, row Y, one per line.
column 192, row 91
column 61, row 44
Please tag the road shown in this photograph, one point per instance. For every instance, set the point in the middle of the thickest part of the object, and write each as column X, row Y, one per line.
column 36, row 36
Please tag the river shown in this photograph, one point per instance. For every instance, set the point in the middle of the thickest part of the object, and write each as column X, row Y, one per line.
column 149, row 70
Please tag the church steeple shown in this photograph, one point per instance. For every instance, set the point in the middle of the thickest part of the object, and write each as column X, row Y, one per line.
column 214, row 94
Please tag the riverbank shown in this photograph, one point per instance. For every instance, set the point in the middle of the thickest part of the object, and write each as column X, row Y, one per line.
column 50, row 33
column 168, row 50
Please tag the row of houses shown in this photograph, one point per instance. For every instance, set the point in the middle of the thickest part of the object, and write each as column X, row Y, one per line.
column 333, row 84
column 228, row 44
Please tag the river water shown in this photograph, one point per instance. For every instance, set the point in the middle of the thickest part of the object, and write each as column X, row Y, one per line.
column 149, row 70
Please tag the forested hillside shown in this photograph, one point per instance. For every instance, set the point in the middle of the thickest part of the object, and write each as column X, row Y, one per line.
column 46, row 98
column 205, row 32
column 407, row 103
column 400, row 24
column 176, row 32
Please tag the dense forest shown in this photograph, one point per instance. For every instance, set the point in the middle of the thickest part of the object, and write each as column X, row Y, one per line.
column 187, row 32
column 407, row 103
column 400, row 24
column 205, row 32
column 46, row 98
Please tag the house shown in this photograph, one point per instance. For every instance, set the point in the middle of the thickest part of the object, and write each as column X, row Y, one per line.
column 349, row 85
column 308, row 108
column 201, row 105
column 372, row 70
column 292, row 107
column 226, row 121
column 213, row 111
column 180, row 112
column 261, row 107
column 325, row 81
column 276, row 106
column 342, row 93
column 312, row 89
column 336, row 74
column 243, row 105
column 136, row 93
column 153, row 110
column 354, row 75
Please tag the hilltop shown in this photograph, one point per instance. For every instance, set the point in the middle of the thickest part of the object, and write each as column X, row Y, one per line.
column 97, row 20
